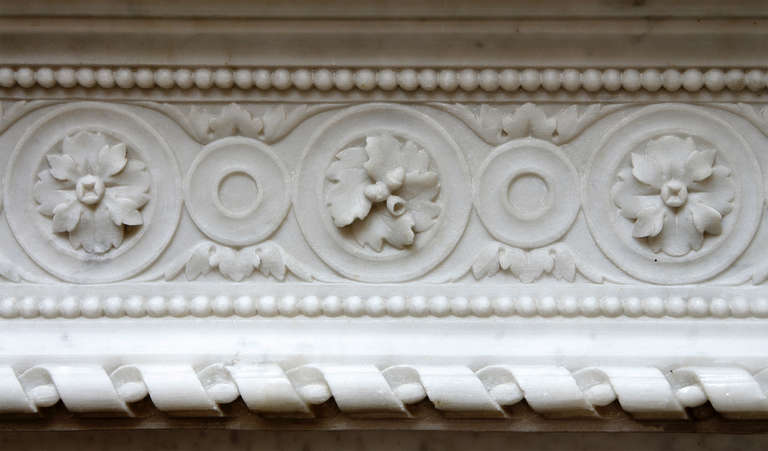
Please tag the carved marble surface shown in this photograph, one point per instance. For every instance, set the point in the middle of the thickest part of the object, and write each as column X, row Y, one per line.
column 463, row 236
column 609, row 220
column 669, row 193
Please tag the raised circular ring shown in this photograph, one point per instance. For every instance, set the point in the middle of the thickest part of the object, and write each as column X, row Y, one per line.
column 614, row 233
column 525, row 193
column 52, row 251
column 237, row 191
column 333, row 244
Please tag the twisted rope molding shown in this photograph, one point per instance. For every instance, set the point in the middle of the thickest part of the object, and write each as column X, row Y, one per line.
column 644, row 392
column 365, row 79
column 178, row 306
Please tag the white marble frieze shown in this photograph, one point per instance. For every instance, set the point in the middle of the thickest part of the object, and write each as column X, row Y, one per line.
column 443, row 216
column 605, row 195
column 566, row 214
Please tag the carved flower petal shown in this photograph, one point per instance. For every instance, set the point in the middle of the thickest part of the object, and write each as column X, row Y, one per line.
column 134, row 174
column 380, row 226
column 50, row 193
column 124, row 210
column 649, row 222
column 699, row 165
column 131, row 193
column 678, row 236
column 84, row 148
column 414, row 158
column 63, row 167
column 384, row 155
column 111, row 160
column 634, row 206
column 631, row 196
column 671, row 154
column 96, row 233
column 66, row 216
column 346, row 198
column 420, row 185
column 706, row 219
column 424, row 214
column 647, row 170
column 717, row 191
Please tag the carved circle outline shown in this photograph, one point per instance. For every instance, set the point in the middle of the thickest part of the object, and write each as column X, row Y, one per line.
column 543, row 160
column 161, row 214
column 216, row 195
column 513, row 177
column 273, row 196
column 325, row 238
column 603, row 218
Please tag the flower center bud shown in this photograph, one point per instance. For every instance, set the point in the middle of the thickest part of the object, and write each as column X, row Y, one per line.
column 674, row 193
column 89, row 189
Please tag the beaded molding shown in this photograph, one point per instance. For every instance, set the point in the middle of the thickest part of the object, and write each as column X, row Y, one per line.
column 368, row 79
column 268, row 389
column 403, row 228
column 179, row 306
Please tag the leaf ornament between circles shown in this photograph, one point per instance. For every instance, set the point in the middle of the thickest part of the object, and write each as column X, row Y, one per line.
column 496, row 127
column 530, row 265
column 383, row 192
column 234, row 120
column 268, row 258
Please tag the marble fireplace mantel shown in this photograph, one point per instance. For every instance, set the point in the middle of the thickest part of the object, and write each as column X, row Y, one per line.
column 431, row 214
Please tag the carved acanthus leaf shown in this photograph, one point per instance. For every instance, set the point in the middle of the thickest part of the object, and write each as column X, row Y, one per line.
column 383, row 192
column 268, row 258
column 528, row 120
column 234, row 120
column 530, row 265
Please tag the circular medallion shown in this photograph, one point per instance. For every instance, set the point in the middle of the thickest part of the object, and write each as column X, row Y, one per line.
column 525, row 193
column 382, row 194
column 93, row 193
column 673, row 195
column 237, row 191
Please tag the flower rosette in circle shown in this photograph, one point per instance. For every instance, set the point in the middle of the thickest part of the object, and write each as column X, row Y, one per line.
column 383, row 193
column 237, row 191
column 673, row 194
column 525, row 193
column 92, row 193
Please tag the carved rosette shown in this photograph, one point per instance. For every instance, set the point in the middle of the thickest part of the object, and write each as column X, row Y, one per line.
column 673, row 195
column 92, row 193
column 383, row 192
column 369, row 197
